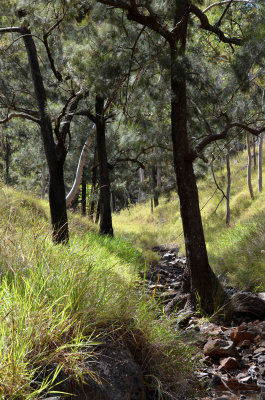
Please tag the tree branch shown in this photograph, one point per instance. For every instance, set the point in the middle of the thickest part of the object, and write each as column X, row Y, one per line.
column 56, row 73
column 223, row 2
column 133, row 14
column 19, row 115
column 213, row 138
column 88, row 114
column 205, row 24
column 10, row 29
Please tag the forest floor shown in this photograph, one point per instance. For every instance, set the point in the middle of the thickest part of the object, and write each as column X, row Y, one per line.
column 230, row 348
column 99, row 298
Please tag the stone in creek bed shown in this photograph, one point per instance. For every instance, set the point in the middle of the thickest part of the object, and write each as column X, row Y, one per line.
column 238, row 336
column 244, row 344
column 261, row 360
column 218, row 348
column 259, row 350
column 226, row 364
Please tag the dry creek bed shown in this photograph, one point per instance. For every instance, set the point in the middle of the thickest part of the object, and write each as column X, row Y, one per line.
column 231, row 355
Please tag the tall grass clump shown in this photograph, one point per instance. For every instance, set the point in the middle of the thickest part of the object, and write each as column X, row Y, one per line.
column 57, row 303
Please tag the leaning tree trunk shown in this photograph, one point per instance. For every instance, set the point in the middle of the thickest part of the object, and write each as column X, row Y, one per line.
column 104, row 183
column 260, row 162
column 250, row 188
column 228, row 188
column 55, row 155
column 198, row 270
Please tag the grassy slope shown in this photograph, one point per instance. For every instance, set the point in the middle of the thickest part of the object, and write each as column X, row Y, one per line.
column 236, row 251
column 54, row 300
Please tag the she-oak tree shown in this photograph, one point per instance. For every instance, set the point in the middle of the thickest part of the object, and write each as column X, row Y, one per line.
column 199, row 277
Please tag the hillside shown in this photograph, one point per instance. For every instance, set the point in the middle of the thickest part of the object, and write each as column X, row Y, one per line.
column 58, row 300
column 237, row 251
column 60, row 304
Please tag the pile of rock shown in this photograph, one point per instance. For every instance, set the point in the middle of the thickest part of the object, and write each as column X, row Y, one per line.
column 235, row 356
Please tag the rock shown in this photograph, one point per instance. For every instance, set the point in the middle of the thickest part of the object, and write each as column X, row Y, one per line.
column 252, row 371
column 226, row 364
column 261, row 360
column 244, row 344
column 248, row 304
column 206, row 360
column 246, row 353
column 259, row 351
column 218, row 348
column 246, row 380
column 113, row 375
column 238, row 336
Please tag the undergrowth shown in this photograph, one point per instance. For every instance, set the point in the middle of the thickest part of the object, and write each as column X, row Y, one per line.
column 57, row 302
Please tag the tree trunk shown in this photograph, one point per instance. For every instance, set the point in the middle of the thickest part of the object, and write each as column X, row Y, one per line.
column 254, row 153
column 141, row 193
column 249, row 168
column 198, row 270
column 260, row 162
column 83, row 200
column 105, row 210
column 55, row 155
column 92, row 194
column 97, row 213
column 155, row 186
column 7, row 158
column 80, row 168
column 228, row 188
column 43, row 180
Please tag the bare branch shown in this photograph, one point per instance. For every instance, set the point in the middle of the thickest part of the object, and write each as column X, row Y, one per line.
column 147, row 20
column 116, row 3
column 56, row 73
column 70, row 114
column 88, row 114
column 224, row 12
column 10, row 29
column 215, row 181
column 221, row 136
column 134, row 160
column 205, row 24
column 223, row 2
column 19, row 115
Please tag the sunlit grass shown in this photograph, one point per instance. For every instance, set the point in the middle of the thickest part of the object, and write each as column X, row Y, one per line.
column 58, row 301
column 235, row 250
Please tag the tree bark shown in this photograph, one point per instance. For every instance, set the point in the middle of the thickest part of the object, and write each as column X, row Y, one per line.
column 155, row 186
column 254, row 153
column 260, row 162
column 141, row 192
column 228, row 188
column 250, row 188
column 97, row 213
column 93, row 188
column 7, row 158
column 104, row 183
column 83, row 200
column 55, row 155
column 43, row 180
column 199, row 278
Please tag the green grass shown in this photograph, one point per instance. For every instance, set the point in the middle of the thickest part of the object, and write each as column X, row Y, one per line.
column 236, row 251
column 57, row 301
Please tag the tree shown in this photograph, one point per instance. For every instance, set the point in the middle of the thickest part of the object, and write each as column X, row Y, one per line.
column 199, row 277
column 55, row 152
